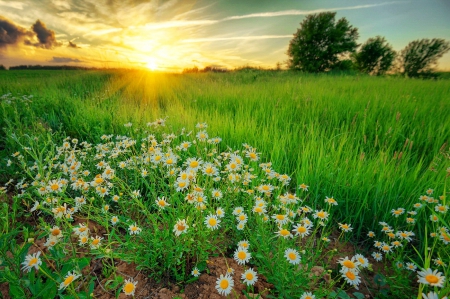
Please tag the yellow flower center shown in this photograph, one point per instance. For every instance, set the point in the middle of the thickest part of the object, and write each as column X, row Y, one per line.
column 33, row 261
column 95, row 241
column 209, row 170
column 292, row 256
column 212, row 222
column 99, row 180
column 249, row 276
column 129, row 287
column 224, row 284
column 181, row 184
column 265, row 188
column 242, row 255
column 350, row 275
column 193, row 164
column 361, row 260
column 349, row 264
column 321, row 214
column 301, row 229
column 180, row 227
column 56, row 232
column 280, row 217
column 162, row 203
column 284, row 232
column 252, row 155
column 242, row 217
column 54, row 187
column 431, row 278
column 258, row 209
column 68, row 280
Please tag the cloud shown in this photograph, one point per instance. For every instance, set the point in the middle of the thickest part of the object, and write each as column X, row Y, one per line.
column 72, row 45
column 64, row 60
column 13, row 4
column 46, row 37
column 10, row 33
column 306, row 12
column 254, row 37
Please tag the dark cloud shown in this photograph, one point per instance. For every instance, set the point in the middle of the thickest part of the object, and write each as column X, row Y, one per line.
column 46, row 37
column 72, row 45
column 10, row 33
column 64, row 59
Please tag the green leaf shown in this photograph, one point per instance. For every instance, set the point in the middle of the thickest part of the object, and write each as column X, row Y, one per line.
column 380, row 279
column 358, row 295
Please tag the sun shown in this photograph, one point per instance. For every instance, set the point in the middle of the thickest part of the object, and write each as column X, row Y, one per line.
column 151, row 64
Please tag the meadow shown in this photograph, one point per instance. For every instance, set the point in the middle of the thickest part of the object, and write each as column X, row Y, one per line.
column 331, row 186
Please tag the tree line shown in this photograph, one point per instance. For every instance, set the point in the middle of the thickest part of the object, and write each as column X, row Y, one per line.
column 322, row 44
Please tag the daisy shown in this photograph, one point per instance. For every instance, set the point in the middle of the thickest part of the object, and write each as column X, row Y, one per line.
column 331, row 201
column 281, row 219
column 430, row 277
column 83, row 239
column 230, row 271
column 212, row 222
column 220, row 212
column 180, row 227
column 345, row 227
column 363, row 262
column 224, row 284
column 322, row 215
column 96, row 242
column 70, row 277
column 282, row 232
column 434, row 218
column 32, row 261
column 371, row 234
column 411, row 267
column 244, row 244
column 162, row 203
column 242, row 218
column 386, row 248
column 398, row 212
column 439, row 262
column 303, row 187
column 292, row 256
column 250, row 277
column 114, row 220
column 242, row 256
column 134, row 229
column 377, row 256
column 56, row 232
column 349, row 263
column 351, row 277
column 441, row 209
column 129, row 287
column 432, row 295
column 301, row 230
column 241, row 225
column 308, row 295
column 238, row 210
column 195, row 272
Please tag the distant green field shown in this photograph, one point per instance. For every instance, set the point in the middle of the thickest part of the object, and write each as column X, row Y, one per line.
column 373, row 143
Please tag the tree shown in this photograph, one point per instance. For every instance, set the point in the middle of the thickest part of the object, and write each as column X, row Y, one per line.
column 419, row 57
column 321, row 42
column 375, row 57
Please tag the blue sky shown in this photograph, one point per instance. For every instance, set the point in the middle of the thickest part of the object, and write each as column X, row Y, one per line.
column 175, row 34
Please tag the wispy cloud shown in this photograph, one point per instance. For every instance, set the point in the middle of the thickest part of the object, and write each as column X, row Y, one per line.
column 254, row 37
column 294, row 12
column 103, row 31
column 13, row 4
column 172, row 24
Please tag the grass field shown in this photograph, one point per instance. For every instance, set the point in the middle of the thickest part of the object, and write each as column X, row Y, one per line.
column 374, row 144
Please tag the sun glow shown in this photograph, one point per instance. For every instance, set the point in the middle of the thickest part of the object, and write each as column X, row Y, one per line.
column 151, row 64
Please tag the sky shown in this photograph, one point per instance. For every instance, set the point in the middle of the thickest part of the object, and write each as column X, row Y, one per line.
column 170, row 35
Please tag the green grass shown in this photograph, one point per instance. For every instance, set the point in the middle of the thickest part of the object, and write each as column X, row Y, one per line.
column 372, row 143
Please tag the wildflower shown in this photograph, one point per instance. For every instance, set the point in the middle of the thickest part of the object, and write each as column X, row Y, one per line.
column 432, row 295
column 70, row 277
column 32, row 261
column 386, row 248
column 326, row 239
column 54, row 186
column 345, row 227
column 162, row 203
column 439, row 262
column 410, row 220
column 405, row 235
column 220, row 212
column 445, row 236
column 430, row 191
column 238, row 210
column 195, row 272
column 259, row 210
column 217, row 194
column 349, row 263
column 242, row 256
column 434, row 218
column 417, row 205
column 301, row 230
column 322, row 215
column 292, row 255
column 351, row 277
column 224, row 284
column 180, row 227
column 250, row 277
column 398, row 212
column 331, row 201
column 242, row 218
column 377, row 256
column 212, row 222
column 240, row 225
column 282, row 232
column 266, row 189
column 202, row 135
column 129, row 287
column 244, row 244
column 83, row 239
column 363, row 262
column 371, row 234
column 134, row 229
column 397, row 244
column 411, row 267
column 441, row 209
column 96, row 242
column 303, row 187
column 281, row 219
column 430, row 277
column 114, row 220
column 399, row 265
column 230, row 271
column 307, row 295
column 51, row 241
column 56, row 232
column 82, row 229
